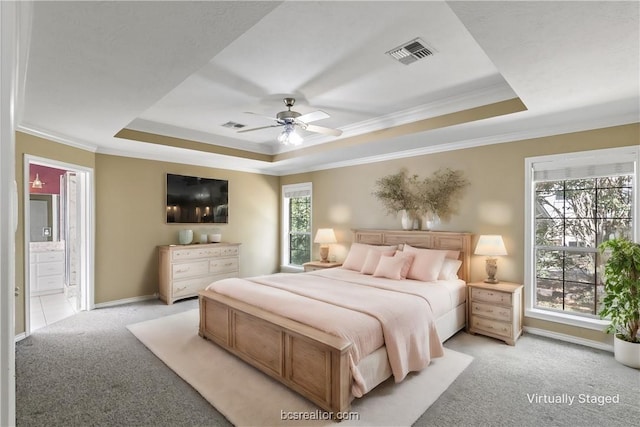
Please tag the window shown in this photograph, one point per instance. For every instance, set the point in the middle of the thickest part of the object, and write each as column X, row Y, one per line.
column 296, row 208
column 575, row 202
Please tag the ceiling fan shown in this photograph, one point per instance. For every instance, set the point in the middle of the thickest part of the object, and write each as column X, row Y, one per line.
column 292, row 119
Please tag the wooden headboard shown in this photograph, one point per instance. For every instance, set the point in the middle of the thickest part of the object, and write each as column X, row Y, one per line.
column 422, row 239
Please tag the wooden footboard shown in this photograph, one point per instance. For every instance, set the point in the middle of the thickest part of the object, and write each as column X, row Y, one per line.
column 310, row 362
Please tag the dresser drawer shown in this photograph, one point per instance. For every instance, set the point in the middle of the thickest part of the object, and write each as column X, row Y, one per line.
column 193, row 253
column 50, row 282
column 182, row 288
column 52, row 256
column 229, row 251
column 49, row 268
column 491, row 311
column 187, row 287
column 492, row 326
column 491, row 296
column 190, row 269
column 223, row 265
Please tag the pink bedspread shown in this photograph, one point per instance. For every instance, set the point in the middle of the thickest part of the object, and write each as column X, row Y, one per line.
column 369, row 315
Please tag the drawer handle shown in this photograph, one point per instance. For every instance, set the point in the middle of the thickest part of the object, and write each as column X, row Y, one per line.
column 182, row 270
column 181, row 288
column 229, row 264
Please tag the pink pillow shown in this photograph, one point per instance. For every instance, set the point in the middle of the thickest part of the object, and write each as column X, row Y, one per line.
column 358, row 254
column 373, row 257
column 408, row 261
column 390, row 267
column 427, row 263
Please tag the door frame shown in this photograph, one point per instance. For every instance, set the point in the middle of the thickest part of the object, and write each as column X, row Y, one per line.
column 86, row 229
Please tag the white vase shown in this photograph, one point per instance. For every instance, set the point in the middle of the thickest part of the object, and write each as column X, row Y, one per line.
column 185, row 237
column 407, row 221
column 627, row 353
column 430, row 220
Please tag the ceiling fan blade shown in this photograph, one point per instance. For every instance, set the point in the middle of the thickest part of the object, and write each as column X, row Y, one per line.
column 313, row 116
column 323, row 130
column 260, row 115
column 263, row 127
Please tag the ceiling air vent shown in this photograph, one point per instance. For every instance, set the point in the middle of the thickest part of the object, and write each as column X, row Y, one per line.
column 410, row 52
column 233, row 125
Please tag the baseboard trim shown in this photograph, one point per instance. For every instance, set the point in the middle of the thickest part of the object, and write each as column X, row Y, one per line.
column 569, row 338
column 125, row 301
column 20, row 337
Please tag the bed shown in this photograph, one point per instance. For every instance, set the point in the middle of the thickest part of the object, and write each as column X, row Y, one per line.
column 278, row 323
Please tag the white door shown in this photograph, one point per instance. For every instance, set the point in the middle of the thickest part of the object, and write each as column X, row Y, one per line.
column 70, row 219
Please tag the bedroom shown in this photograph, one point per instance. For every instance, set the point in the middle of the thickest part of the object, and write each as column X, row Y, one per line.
column 341, row 198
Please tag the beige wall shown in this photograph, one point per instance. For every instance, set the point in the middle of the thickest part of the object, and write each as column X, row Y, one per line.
column 493, row 203
column 130, row 221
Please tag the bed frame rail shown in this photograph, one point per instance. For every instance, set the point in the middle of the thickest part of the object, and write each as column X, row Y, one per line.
column 310, row 362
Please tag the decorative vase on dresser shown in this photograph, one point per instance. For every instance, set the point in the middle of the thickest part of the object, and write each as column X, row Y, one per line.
column 495, row 310
column 186, row 270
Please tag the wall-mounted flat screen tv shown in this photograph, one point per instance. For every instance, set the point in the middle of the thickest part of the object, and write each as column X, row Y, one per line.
column 197, row 200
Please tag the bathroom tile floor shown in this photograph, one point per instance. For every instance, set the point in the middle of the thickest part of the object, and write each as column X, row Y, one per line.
column 47, row 309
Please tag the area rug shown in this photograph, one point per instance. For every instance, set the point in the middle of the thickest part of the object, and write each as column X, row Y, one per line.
column 247, row 397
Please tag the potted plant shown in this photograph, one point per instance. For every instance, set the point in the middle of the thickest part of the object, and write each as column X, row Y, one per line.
column 621, row 304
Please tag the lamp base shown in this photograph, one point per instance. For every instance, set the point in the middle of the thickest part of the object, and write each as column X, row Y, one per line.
column 492, row 269
column 324, row 253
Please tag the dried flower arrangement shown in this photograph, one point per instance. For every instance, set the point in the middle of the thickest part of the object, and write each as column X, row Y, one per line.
column 432, row 195
column 437, row 194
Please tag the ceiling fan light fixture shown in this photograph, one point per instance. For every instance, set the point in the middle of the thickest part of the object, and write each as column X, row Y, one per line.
column 289, row 136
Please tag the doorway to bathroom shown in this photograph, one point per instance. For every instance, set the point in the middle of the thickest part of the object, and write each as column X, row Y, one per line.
column 58, row 241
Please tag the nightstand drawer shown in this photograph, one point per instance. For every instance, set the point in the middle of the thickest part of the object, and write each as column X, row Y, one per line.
column 491, row 311
column 491, row 296
column 492, row 326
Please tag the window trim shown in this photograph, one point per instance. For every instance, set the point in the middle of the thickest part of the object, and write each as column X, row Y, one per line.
column 284, row 238
column 622, row 154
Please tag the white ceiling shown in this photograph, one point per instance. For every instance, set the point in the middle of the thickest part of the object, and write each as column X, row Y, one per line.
column 182, row 69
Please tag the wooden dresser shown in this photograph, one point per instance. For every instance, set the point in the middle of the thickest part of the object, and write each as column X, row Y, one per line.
column 495, row 310
column 187, row 269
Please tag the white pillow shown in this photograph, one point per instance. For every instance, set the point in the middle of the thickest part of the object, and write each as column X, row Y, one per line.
column 390, row 267
column 427, row 263
column 372, row 259
column 449, row 270
column 358, row 254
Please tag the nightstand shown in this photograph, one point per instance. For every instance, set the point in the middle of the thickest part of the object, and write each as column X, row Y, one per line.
column 495, row 310
column 318, row 265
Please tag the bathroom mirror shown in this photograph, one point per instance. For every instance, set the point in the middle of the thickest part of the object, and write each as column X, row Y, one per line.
column 44, row 217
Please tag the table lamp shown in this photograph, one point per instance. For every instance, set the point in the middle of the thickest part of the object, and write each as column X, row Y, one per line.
column 324, row 236
column 491, row 246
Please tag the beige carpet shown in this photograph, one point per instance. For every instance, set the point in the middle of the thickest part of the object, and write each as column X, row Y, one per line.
column 246, row 397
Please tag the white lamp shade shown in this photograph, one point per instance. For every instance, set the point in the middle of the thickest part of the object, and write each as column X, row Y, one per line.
column 325, row 235
column 490, row 245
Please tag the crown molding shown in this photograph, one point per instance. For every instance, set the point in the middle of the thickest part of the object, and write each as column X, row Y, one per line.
column 61, row 139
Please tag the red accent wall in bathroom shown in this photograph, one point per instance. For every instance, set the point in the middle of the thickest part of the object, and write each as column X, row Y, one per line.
column 50, row 178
